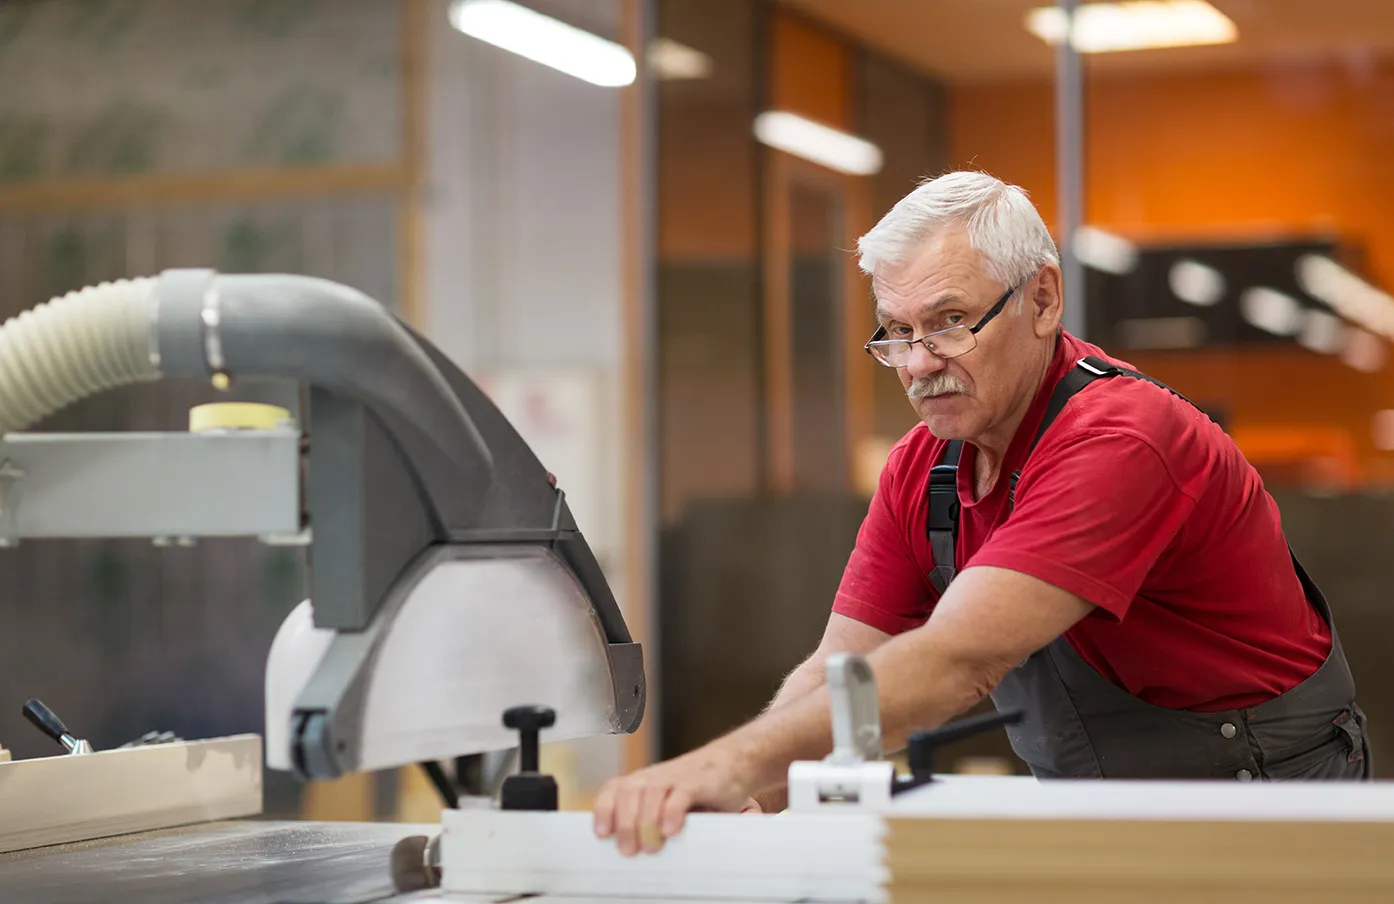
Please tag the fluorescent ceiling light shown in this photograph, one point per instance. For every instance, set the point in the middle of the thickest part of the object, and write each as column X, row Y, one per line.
column 1323, row 333
column 1271, row 310
column 814, row 141
column 672, row 61
column 1105, row 251
column 545, row 40
column 1346, row 294
column 1134, row 25
column 1365, row 352
column 1196, row 283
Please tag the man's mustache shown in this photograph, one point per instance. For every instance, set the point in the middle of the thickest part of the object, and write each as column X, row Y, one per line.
column 942, row 383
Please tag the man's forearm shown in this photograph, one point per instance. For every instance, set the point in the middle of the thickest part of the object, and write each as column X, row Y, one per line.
column 920, row 684
column 807, row 676
column 804, row 679
column 988, row 621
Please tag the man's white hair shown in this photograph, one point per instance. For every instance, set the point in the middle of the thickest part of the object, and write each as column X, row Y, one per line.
column 1003, row 226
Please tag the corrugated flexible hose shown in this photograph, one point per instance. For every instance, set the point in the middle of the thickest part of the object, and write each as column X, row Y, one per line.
column 74, row 346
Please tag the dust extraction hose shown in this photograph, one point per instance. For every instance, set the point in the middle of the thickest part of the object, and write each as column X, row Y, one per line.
column 74, row 346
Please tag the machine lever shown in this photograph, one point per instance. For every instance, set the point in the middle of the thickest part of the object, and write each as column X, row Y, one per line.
column 47, row 721
column 924, row 743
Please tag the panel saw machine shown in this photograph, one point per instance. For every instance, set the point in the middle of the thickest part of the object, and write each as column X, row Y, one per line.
column 456, row 609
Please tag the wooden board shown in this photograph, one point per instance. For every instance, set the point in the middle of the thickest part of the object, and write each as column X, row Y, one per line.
column 60, row 799
column 985, row 839
column 1140, row 862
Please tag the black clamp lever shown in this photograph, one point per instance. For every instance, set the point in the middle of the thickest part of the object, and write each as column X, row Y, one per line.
column 529, row 789
column 47, row 721
column 924, row 743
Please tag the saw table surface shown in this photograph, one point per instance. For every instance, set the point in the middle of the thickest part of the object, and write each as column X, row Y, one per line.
column 235, row 862
column 238, row 862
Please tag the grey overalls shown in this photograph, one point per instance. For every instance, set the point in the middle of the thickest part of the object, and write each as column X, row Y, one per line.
column 1078, row 724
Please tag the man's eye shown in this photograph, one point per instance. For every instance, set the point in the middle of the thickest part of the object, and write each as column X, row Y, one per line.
column 953, row 319
column 900, row 332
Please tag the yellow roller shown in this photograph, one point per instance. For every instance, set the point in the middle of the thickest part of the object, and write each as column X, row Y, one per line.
column 236, row 416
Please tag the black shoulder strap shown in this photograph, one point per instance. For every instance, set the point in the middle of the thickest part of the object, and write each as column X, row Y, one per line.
column 943, row 478
column 943, row 516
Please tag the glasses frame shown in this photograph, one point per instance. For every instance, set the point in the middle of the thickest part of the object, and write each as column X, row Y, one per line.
column 992, row 312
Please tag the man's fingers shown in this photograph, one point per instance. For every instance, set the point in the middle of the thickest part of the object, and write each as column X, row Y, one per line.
column 674, row 811
column 628, row 798
column 650, row 813
column 651, row 809
column 604, row 809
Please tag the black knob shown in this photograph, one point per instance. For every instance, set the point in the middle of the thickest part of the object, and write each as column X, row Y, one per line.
column 924, row 743
column 528, row 721
column 46, row 720
column 529, row 789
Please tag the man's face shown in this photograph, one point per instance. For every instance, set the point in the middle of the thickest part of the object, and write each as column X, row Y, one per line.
column 944, row 285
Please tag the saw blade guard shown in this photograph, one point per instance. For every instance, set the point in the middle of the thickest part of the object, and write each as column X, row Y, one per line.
column 448, row 577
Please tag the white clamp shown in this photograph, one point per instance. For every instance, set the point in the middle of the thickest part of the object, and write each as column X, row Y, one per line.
column 854, row 774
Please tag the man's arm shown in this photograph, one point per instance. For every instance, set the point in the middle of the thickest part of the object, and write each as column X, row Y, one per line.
column 842, row 635
column 988, row 621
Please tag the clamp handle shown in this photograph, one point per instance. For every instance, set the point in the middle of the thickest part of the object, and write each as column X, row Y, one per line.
column 924, row 743
column 47, row 721
column 529, row 789
column 856, row 711
column 529, row 721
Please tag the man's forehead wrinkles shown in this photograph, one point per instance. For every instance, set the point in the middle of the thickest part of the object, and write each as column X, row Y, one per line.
column 949, row 297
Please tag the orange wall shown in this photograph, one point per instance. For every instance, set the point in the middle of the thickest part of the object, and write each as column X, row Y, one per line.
column 1223, row 154
column 810, row 73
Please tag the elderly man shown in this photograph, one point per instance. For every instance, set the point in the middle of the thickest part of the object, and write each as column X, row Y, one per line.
column 1061, row 533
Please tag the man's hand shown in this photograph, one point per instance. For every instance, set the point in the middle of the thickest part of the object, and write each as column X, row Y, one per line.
column 644, row 809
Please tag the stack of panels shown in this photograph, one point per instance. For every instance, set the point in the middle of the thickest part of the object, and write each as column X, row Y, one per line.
column 1140, row 862
column 1142, row 843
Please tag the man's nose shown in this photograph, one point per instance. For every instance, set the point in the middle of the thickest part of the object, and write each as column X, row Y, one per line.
column 923, row 362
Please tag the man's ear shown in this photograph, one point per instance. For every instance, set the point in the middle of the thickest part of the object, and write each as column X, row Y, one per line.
column 1045, row 301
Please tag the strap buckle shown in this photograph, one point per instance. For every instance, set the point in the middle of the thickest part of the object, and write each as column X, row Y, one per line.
column 1087, row 363
column 943, row 497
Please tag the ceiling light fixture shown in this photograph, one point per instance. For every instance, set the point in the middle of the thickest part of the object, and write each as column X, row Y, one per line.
column 1134, row 25
column 672, row 61
column 545, row 40
column 1346, row 294
column 1104, row 251
column 1196, row 283
column 821, row 144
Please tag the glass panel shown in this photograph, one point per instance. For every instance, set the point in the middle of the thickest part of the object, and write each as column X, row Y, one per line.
column 774, row 422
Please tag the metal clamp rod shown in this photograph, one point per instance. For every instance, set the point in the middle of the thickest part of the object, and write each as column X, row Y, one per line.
column 856, row 713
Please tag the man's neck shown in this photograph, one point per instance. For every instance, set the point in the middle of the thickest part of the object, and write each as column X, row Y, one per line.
column 992, row 446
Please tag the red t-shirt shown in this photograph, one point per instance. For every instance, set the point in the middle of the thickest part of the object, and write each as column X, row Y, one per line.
column 1137, row 503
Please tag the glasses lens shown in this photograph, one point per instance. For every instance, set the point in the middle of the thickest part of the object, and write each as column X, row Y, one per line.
column 891, row 352
column 952, row 342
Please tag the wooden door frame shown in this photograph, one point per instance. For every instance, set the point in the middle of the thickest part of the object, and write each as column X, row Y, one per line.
column 782, row 171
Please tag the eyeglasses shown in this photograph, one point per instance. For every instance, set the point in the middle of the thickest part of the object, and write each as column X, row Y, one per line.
column 946, row 343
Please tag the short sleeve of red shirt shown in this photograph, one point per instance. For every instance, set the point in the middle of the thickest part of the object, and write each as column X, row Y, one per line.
column 1092, row 515
column 882, row 585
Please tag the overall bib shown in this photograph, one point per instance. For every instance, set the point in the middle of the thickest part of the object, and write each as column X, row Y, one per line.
column 1078, row 724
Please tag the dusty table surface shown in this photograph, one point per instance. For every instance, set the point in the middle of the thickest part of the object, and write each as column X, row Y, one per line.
column 236, row 862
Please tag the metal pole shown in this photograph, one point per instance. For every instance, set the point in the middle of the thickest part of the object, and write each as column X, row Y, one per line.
column 1069, row 167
